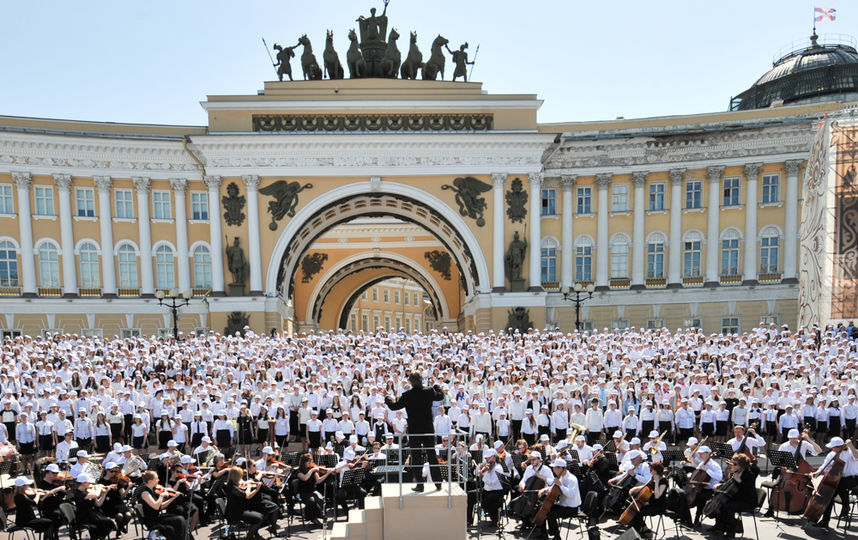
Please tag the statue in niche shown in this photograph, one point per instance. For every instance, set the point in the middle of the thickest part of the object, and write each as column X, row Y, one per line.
column 236, row 262
column 519, row 319
column 514, row 260
column 516, row 199
column 235, row 322
column 469, row 197
column 233, row 204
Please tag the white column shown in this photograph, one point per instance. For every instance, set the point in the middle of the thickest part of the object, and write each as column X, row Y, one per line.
column 25, row 232
column 638, row 230
column 105, row 223
column 752, row 173
column 498, row 235
column 213, row 183
column 180, row 186
column 713, row 231
column 793, row 167
column 567, row 240
column 674, row 256
column 535, row 242
column 147, row 281
column 63, row 182
column 602, row 273
column 253, row 250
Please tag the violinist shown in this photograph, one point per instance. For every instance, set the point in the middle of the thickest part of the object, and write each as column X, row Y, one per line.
column 54, row 493
column 545, row 447
column 238, row 502
column 798, row 445
column 351, row 460
column 715, row 474
column 88, row 503
column 567, row 504
column 585, row 452
column 187, row 504
column 114, row 504
column 265, row 501
column 173, row 527
column 656, row 504
column 26, row 501
column 504, row 458
column 741, row 472
column 492, row 493
column 849, row 478
column 309, row 475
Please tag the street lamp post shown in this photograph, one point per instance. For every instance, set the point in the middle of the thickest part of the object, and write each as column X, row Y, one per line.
column 174, row 300
column 579, row 290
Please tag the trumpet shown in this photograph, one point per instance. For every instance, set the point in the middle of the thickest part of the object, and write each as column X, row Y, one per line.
column 577, row 429
column 654, row 448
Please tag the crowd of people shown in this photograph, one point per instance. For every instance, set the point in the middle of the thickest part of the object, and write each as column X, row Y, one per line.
column 65, row 396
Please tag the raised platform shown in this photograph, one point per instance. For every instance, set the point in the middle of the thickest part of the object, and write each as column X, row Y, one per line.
column 429, row 515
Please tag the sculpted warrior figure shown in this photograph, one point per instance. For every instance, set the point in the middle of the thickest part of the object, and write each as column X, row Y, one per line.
column 515, row 257
column 460, row 58
column 236, row 262
column 374, row 27
column 283, row 65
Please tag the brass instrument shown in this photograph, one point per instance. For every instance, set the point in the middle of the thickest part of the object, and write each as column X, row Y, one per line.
column 654, row 448
column 577, row 429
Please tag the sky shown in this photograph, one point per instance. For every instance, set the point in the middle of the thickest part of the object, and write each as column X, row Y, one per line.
column 153, row 62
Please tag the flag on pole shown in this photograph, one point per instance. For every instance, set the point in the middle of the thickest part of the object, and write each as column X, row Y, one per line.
column 820, row 14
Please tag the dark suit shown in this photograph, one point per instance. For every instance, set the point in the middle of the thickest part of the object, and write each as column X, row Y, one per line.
column 417, row 402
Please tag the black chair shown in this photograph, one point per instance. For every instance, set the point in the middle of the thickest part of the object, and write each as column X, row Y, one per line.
column 4, row 527
column 761, row 498
column 229, row 527
column 74, row 526
column 851, row 508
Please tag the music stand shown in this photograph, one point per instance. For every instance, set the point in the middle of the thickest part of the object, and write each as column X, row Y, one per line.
column 612, row 460
column 477, row 456
column 352, row 478
column 327, row 460
column 575, row 469
column 721, row 450
column 672, row 455
column 517, row 460
column 783, row 459
column 573, row 454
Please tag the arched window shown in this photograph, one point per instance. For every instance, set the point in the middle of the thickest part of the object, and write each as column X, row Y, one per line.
column 619, row 256
column 164, row 267
column 127, row 267
column 89, row 273
column 730, row 253
column 691, row 255
column 202, row 268
column 549, row 260
column 655, row 256
column 8, row 264
column 49, row 265
column 769, row 250
column 584, row 259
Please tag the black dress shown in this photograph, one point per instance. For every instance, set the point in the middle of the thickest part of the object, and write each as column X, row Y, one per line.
column 237, row 509
column 89, row 514
column 25, row 516
column 310, row 497
column 171, row 526
column 245, row 431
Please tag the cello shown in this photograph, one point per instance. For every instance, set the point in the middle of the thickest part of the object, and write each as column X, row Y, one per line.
column 794, row 490
column 524, row 505
column 826, row 489
column 699, row 479
column 549, row 500
column 638, row 501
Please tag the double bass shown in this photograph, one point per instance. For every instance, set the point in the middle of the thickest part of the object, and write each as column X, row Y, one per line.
column 549, row 500
column 638, row 501
column 826, row 489
column 524, row 505
column 794, row 490
column 699, row 479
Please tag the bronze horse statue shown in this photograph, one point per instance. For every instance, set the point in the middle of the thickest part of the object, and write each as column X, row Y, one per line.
column 311, row 68
column 414, row 60
column 333, row 67
column 392, row 56
column 354, row 57
column 435, row 65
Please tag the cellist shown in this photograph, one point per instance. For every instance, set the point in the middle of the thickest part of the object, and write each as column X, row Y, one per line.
column 798, row 445
column 535, row 468
column 848, row 480
column 567, row 504
column 742, row 441
column 742, row 472
column 656, row 504
column 714, row 472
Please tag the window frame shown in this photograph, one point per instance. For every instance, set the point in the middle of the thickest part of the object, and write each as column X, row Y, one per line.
column 656, row 200
column 44, row 194
column 773, row 188
column 124, row 281
column 50, row 276
column 206, row 267
column 9, row 271
column 694, row 194
column 158, row 202
column 167, row 280
column 125, row 204
column 548, row 203
column 735, row 192
column 203, row 203
column 655, row 257
column 620, row 197
column 89, row 270
column 87, row 201
column 7, row 199
column 584, row 200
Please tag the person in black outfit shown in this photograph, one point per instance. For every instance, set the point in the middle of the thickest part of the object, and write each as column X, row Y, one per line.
column 173, row 527
column 308, row 476
column 25, row 509
column 88, row 504
column 656, row 505
column 745, row 500
column 417, row 402
column 55, row 492
column 237, row 503
column 114, row 504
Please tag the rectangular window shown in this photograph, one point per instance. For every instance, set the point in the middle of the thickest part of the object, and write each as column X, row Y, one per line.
column 375, row 295
column 124, row 199
column 769, row 255
column 694, row 194
column 417, row 323
column 587, row 326
column 415, row 297
column 364, row 322
column 353, row 322
column 549, row 264
column 387, row 297
column 584, row 263
column 694, row 322
column 85, row 202
column 44, row 200
column 387, row 323
column 730, row 257
column 619, row 197
column 161, row 205
column 691, row 262
column 407, row 325
column 398, row 322
column 407, row 299
column 730, row 325
column 199, row 206
column 619, row 260
column 363, row 296
column 396, row 298
column 619, row 324
column 656, row 196
column 374, row 323
column 654, row 324
column 655, row 260
column 7, row 205
column 731, row 192
column 585, row 200
column 549, row 202
column 771, row 188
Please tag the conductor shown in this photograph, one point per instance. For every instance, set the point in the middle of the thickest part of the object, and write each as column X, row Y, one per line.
column 417, row 402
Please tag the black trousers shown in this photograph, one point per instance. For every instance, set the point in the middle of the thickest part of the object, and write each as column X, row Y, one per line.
column 685, row 434
column 423, row 445
column 846, row 484
column 491, row 503
column 516, row 428
column 557, row 513
column 593, row 436
column 727, row 520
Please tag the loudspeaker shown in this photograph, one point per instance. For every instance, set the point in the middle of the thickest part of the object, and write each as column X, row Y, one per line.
column 630, row 534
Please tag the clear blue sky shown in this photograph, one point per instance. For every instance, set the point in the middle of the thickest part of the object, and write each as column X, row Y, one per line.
column 153, row 61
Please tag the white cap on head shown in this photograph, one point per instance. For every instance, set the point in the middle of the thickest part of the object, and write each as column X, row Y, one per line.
column 580, row 438
column 268, row 450
column 704, row 450
column 22, row 481
column 835, row 442
column 110, row 465
column 692, row 441
column 52, row 467
column 84, row 479
column 618, row 434
column 536, row 455
column 543, row 437
column 559, row 462
column 793, row 434
column 597, row 446
column 489, row 453
column 653, row 434
column 82, row 454
column 498, row 444
column 635, row 440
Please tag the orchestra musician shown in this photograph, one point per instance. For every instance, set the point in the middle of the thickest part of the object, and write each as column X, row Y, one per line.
column 585, row 452
column 742, row 441
column 351, row 460
column 54, row 491
column 309, row 475
column 796, row 442
column 654, row 447
column 713, row 470
column 173, row 527
column 636, row 465
column 535, row 467
column 114, row 504
column 848, row 480
column 656, row 504
column 567, row 503
column 634, row 444
column 88, row 503
column 26, row 501
column 742, row 472
column 621, row 446
column 545, row 448
column 691, row 460
column 265, row 502
column 187, row 504
column 238, row 502
column 491, row 474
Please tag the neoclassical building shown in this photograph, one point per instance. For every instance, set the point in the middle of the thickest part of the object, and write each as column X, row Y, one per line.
column 290, row 204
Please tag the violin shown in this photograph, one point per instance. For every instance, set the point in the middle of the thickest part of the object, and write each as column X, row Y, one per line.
column 165, row 490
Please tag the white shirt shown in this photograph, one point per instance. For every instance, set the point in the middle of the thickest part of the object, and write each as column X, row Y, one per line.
column 491, row 478
column 851, row 467
column 544, row 472
column 570, row 495
column 804, row 446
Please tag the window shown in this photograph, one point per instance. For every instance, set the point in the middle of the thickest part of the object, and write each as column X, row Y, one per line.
column 584, row 260
column 127, row 267
column 375, row 295
column 730, row 253
column 619, row 197
column 549, row 202
column 124, row 203
column 407, row 298
column 619, row 257
column 85, row 202
column 9, row 333
column 89, row 274
column 694, row 194
column 49, row 265
column 586, row 326
column 655, row 257
column 771, row 188
column 44, row 200
column 417, row 323
column 364, row 296
column 548, row 262
column 364, row 322
column 731, row 191
column 730, row 325
column 398, row 322
column 619, row 324
column 654, row 324
column 415, row 297
column 7, row 205
column 387, row 300
column 585, row 200
column 161, row 205
column 656, row 196
column 396, row 298
column 164, row 267
column 691, row 255
column 374, row 322
column 202, row 267
column 92, row 333
column 352, row 322
column 407, row 325
column 8, row 264
column 387, row 323
column 769, row 319
column 199, row 206
column 694, row 322
column 769, row 251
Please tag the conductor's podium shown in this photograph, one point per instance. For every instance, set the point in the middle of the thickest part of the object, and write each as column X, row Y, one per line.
column 430, row 515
